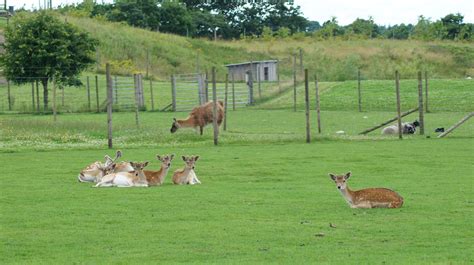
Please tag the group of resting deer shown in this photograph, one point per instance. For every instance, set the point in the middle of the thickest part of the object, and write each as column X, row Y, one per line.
column 131, row 174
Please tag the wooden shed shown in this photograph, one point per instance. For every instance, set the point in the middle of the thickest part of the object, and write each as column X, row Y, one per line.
column 267, row 70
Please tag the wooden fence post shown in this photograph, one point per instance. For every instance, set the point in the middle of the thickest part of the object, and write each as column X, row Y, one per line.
column 306, row 99
column 225, row 101
column 294, row 82
column 397, row 91
column 250, row 86
column 54, row 100
column 259, row 83
column 426, row 91
column 278, row 76
column 214, row 106
column 318, row 107
column 109, row 105
column 173, row 93
column 33, row 95
column 140, row 91
column 151, row 95
column 9, row 96
column 233, row 92
column 62, row 95
column 115, row 87
column 37, row 97
column 136, row 78
column 420, row 104
column 206, row 86
column 97, row 93
column 88, row 94
column 358, row 90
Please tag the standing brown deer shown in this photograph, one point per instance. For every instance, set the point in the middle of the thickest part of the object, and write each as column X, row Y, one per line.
column 200, row 117
column 367, row 198
column 156, row 178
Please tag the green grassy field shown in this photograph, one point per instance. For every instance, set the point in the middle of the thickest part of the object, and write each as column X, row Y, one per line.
column 265, row 195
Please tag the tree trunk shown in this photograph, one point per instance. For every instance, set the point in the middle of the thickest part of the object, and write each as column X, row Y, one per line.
column 45, row 93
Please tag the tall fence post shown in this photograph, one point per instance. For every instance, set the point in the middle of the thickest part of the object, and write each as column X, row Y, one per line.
column 88, row 94
column 259, row 83
column 9, row 96
column 62, row 95
column 54, row 100
column 214, row 106
column 33, row 95
column 37, row 97
column 278, row 75
column 151, row 96
column 206, row 86
column 136, row 79
column 358, row 90
column 306, row 99
column 116, row 89
column 225, row 100
column 250, row 86
column 233, row 92
column 173, row 92
column 294, row 82
column 97, row 93
column 142, row 95
column 420, row 104
column 318, row 107
column 426, row 91
column 397, row 91
column 109, row 105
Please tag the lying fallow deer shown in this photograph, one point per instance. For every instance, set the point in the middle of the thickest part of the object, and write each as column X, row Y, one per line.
column 94, row 172
column 367, row 198
column 134, row 178
column 187, row 174
column 156, row 178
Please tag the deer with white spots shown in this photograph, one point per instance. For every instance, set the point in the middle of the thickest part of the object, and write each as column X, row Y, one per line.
column 187, row 174
column 156, row 178
column 134, row 178
column 367, row 198
column 95, row 171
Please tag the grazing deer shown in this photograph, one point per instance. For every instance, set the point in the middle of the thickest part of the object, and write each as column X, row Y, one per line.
column 367, row 198
column 134, row 178
column 156, row 178
column 199, row 117
column 187, row 174
column 94, row 172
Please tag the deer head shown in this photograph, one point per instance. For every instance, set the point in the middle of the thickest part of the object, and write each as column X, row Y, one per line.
column 190, row 161
column 175, row 126
column 340, row 180
column 165, row 160
column 110, row 161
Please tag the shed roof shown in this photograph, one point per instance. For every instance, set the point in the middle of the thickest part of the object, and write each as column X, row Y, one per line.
column 252, row 62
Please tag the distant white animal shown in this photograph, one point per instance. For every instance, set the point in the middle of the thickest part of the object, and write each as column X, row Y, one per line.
column 407, row 128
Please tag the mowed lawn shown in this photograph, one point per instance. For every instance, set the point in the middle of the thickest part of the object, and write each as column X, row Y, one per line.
column 265, row 195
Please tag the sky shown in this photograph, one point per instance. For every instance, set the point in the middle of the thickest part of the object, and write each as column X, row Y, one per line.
column 384, row 12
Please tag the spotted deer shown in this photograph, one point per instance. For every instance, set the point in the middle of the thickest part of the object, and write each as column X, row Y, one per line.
column 367, row 198
column 156, row 178
column 187, row 174
column 134, row 178
column 94, row 172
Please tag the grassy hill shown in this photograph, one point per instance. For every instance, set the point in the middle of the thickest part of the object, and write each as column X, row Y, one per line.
column 128, row 48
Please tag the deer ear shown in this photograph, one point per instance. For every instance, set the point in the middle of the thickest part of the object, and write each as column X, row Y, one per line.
column 145, row 164
column 118, row 154
column 333, row 177
column 348, row 174
column 171, row 157
column 174, row 119
column 158, row 157
column 196, row 158
column 184, row 158
column 107, row 158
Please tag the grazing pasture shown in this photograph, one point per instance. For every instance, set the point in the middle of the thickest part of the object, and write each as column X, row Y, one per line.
column 265, row 196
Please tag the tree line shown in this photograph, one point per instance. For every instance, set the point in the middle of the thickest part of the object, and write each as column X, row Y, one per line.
column 237, row 20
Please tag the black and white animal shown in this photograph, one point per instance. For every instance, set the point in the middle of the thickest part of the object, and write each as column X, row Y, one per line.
column 407, row 128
